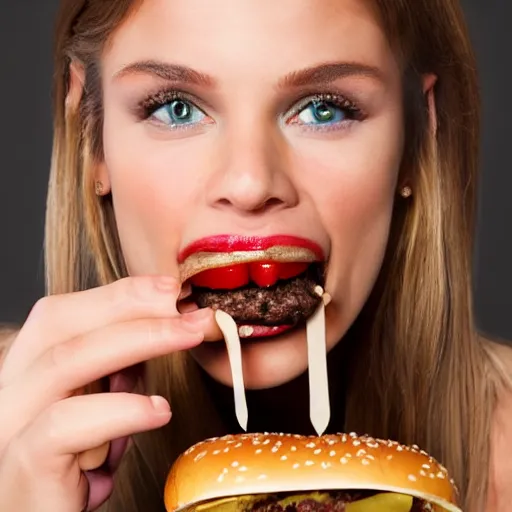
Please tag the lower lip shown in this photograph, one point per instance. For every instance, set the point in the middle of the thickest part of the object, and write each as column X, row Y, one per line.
column 263, row 331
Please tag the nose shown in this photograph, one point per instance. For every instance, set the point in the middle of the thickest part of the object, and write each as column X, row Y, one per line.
column 252, row 172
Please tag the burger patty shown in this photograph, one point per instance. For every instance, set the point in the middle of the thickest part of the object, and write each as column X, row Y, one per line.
column 335, row 504
column 286, row 303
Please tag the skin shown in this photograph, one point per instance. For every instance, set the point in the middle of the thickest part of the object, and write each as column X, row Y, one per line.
column 243, row 168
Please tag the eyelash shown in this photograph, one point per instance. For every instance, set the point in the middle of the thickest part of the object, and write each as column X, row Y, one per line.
column 153, row 102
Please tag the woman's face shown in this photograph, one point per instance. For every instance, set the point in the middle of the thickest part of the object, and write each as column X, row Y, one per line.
column 259, row 118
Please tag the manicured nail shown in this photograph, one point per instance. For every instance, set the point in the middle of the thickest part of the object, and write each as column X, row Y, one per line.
column 160, row 404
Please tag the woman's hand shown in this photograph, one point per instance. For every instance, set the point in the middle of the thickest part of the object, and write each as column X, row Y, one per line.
column 68, row 342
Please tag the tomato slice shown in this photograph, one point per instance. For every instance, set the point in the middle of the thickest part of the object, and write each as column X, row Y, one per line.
column 224, row 278
column 289, row 270
column 264, row 274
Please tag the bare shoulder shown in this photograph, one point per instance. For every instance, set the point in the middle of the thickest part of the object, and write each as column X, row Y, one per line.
column 500, row 491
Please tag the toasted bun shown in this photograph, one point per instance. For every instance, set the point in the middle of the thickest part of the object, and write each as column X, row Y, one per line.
column 251, row 464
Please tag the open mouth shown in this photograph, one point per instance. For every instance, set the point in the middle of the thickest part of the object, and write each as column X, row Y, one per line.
column 267, row 291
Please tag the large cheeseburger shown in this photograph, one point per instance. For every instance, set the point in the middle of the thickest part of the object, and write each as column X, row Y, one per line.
column 293, row 473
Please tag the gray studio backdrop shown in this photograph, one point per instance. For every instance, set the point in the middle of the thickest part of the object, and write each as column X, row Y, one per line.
column 25, row 129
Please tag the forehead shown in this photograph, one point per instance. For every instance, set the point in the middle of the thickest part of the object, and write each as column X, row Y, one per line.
column 250, row 37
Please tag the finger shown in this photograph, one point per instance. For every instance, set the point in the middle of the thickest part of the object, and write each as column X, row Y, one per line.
column 72, row 365
column 58, row 318
column 203, row 320
column 118, row 448
column 101, row 486
column 81, row 423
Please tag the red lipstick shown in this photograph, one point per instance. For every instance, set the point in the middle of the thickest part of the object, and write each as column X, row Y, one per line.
column 232, row 243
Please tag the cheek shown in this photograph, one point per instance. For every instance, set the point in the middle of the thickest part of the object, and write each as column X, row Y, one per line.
column 352, row 183
column 153, row 189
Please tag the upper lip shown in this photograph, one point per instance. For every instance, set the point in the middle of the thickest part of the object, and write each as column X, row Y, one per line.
column 232, row 243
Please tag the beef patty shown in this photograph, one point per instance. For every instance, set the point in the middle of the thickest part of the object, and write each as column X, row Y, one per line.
column 286, row 303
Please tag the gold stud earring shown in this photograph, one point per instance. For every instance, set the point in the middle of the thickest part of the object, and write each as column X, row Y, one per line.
column 98, row 188
column 406, row 192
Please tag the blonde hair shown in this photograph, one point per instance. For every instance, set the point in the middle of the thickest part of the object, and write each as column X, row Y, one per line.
column 421, row 371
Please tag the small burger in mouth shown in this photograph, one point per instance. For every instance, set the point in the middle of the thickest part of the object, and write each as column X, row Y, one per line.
column 267, row 285
column 292, row 473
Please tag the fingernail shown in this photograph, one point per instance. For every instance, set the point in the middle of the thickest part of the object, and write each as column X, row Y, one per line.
column 186, row 291
column 160, row 404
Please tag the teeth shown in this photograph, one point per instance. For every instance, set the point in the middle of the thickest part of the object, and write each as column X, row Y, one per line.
column 319, row 290
column 244, row 331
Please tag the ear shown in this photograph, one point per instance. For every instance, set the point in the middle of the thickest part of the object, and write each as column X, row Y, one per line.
column 73, row 97
column 429, row 82
column 101, row 176
column 76, row 85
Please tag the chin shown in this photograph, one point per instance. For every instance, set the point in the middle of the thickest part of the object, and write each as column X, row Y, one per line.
column 267, row 362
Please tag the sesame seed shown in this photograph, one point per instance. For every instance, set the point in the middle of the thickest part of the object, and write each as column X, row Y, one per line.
column 356, row 442
column 399, row 448
column 372, row 444
column 262, row 477
column 199, row 456
column 441, row 475
column 293, row 448
column 235, row 464
column 309, row 463
column 220, row 478
column 423, row 472
column 216, row 452
column 332, row 453
column 284, row 457
column 317, row 451
column 389, row 457
column 326, row 465
column 238, row 445
column 258, row 451
column 343, row 460
column 242, row 468
column 226, row 450
column 310, row 445
column 412, row 478
column 267, row 441
column 361, row 452
column 370, row 457
column 365, row 462
column 274, row 449
column 425, row 466
column 296, row 465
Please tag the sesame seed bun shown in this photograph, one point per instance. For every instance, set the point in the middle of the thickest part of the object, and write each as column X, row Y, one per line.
column 251, row 464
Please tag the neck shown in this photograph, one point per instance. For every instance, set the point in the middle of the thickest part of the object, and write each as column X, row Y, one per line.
column 284, row 408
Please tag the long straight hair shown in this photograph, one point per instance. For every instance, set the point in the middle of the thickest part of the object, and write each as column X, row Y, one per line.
column 418, row 365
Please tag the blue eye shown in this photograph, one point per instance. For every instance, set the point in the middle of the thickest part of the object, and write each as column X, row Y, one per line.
column 322, row 112
column 178, row 112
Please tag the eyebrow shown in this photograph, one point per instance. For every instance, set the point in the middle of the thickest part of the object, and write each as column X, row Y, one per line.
column 329, row 72
column 320, row 74
column 166, row 71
